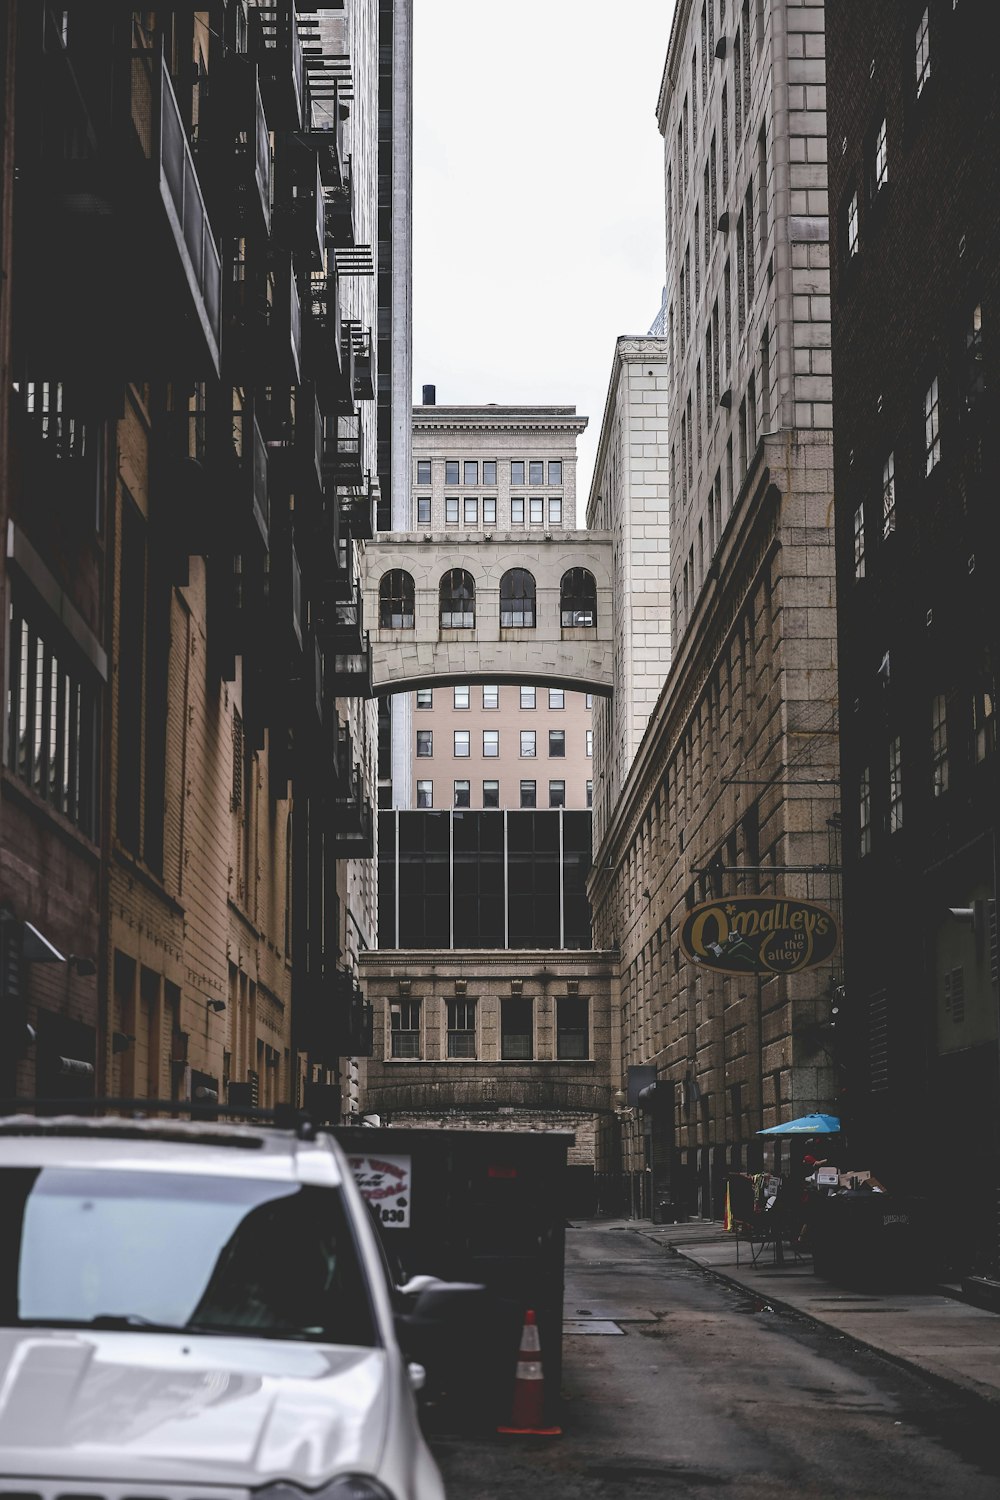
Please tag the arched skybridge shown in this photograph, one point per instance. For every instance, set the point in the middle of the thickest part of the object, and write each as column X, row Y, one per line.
column 503, row 607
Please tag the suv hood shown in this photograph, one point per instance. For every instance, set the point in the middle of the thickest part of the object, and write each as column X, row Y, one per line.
column 165, row 1407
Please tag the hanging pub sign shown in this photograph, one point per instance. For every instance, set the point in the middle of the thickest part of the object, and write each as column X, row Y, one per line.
column 759, row 935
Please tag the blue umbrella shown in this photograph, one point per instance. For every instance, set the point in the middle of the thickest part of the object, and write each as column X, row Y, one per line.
column 806, row 1125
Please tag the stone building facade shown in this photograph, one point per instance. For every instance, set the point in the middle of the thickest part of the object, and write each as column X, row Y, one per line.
column 734, row 787
column 914, row 109
column 494, row 1041
column 186, row 800
column 629, row 498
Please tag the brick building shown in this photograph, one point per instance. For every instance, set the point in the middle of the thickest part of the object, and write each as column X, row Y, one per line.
column 732, row 790
column 914, row 109
column 189, row 468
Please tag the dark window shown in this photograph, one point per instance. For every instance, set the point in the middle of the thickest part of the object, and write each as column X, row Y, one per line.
column 404, row 1024
column 517, row 598
column 458, row 600
column 396, row 600
column 425, row 742
column 578, row 598
column 52, row 724
column 527, row 794
column 557, row 794
column 463, row 794
column 557, row 744
column 423, row 510
column 516, row 1030
column 491, row 794
column 425, row 794
column 572, row 1029
column 973, row 377
column 461, row 1028
column 451, row 471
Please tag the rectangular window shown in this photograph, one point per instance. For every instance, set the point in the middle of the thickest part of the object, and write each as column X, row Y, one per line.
column 491, row 794
column 425, row 697
column 53, row 727
column 984, row 717
column 851, row 228
column 527, row 744
column 557, row 743
column 557, row 794
column 517, row 512
column 751, row 256
column 462, row 744
column 555, row 471
column 404, row 1024
column 425, row 743
column 516, row 1030
column 470, row 471
column 425, row 794
column 489, row 471
column 880, row 158
column 536, row 471
column 572, row 1027
column 423, row 510
column 864, row 814
column 741, row 304
column 461, row 1028
column 517, row 471
column 590, row 743
column 932, row 427
column 471, row 510
column 460, row 697
column 973, row 377
column 491, row 743
column 491, row 697
column 527, row 697
column 555, row 511
column 490, row 512
column 557, row 698
column 859, row 542
column 922, row 51
column 588, row 700
column 451, row 471
column 939, row 744
column 590, row 794
column 536, row 511
column 889, row 496
column 451, row 510
column 423, row 471
column 527, row 794
column 463, row 794
column 895, row 786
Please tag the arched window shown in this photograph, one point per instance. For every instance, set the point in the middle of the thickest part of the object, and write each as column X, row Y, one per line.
column 395, row 600
column 517, row 598
column 458, row 600
column 578, row 598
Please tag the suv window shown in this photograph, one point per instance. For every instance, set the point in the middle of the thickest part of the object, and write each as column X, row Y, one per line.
column 204, row 1253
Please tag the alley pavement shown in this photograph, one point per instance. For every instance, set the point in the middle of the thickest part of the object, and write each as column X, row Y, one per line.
column 931, row 1331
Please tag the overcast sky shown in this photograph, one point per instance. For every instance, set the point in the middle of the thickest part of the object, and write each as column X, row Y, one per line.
column 538, row 223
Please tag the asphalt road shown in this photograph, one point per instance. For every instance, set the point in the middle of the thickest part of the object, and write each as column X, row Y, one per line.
column 705, row 1389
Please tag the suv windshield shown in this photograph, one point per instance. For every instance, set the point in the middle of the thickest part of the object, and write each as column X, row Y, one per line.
column 202, row 1253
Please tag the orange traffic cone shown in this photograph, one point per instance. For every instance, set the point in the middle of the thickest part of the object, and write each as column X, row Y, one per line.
column 529, row 1386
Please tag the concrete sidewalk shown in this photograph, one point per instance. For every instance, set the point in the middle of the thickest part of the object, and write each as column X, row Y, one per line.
column 937, row 1334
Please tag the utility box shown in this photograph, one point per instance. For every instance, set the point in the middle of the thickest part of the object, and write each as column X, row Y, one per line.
column 477, row 1206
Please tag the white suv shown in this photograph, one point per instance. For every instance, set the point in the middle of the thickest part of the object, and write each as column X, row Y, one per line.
column 196, row 1311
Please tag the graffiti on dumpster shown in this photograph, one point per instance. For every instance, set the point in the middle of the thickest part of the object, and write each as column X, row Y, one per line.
column 759, row 935
column 385, row 1181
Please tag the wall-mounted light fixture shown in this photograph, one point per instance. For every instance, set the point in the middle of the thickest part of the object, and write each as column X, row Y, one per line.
column 216, row 1005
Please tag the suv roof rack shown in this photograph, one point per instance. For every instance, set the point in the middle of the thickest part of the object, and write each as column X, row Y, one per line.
column 282, row 1117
